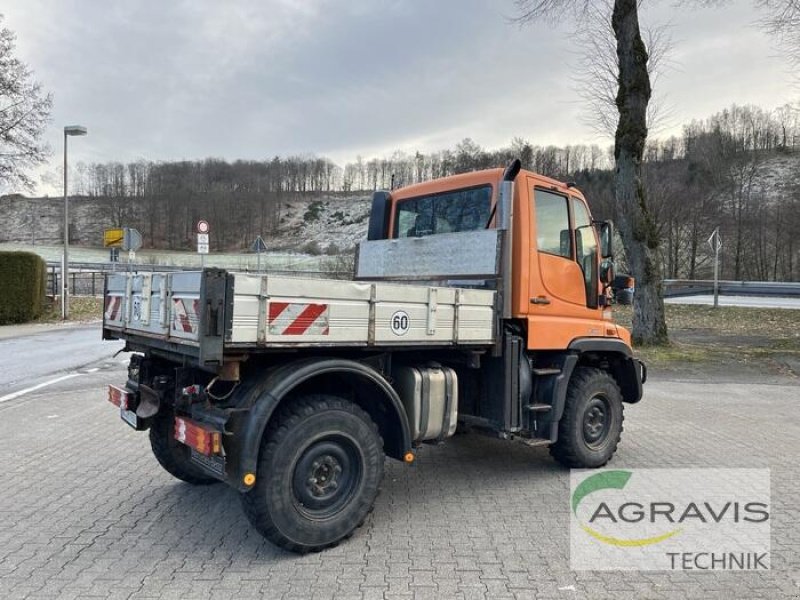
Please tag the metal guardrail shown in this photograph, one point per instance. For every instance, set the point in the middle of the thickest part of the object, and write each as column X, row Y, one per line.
column 86, row 279
column 684, row 287
column 106, row 267
column 81, row 283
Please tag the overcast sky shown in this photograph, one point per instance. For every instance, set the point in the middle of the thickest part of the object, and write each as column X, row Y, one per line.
column 250, row 79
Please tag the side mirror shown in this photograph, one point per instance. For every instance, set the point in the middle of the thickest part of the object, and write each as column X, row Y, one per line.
column 606, row 234
column 607, row 272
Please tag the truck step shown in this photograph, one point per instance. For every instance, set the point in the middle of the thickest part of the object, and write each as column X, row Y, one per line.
column 546, row 371
column 534, row 442
column 538, row 407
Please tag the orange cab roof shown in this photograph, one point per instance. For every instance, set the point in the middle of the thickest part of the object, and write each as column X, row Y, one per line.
column 474, row 178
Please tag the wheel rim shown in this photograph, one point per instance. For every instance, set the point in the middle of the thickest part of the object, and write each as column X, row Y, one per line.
column 327, row 476
column 596, row 421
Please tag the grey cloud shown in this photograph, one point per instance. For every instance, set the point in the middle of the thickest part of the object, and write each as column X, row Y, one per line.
column 250, row 79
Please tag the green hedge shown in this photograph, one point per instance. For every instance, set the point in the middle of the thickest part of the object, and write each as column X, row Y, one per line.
column 23, row 280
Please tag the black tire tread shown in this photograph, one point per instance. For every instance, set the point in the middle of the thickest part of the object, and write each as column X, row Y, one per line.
column 564, row 451
column 277, row 431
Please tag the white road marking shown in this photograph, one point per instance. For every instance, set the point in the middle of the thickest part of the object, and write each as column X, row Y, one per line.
column 93, row 370
column 39, row 386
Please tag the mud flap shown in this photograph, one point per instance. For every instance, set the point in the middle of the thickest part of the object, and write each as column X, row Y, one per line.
column 149, row 402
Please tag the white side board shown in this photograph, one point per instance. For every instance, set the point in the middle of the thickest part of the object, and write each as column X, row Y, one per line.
column 289, row 311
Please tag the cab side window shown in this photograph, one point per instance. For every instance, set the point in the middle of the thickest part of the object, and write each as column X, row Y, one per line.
column 552, row 224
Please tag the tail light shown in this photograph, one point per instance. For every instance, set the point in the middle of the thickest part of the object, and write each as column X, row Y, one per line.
column 205, row 440
column 119, row 397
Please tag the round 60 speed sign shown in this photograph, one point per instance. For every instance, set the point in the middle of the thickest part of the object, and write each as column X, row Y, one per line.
column 202, row 226
column 400, row 323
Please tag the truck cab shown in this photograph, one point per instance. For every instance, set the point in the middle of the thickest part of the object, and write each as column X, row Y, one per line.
column 558, row 277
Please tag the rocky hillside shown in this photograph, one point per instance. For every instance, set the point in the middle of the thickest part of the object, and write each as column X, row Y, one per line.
column 311, row 224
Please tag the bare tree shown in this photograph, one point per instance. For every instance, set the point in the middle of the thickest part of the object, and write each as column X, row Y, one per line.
column 598, row 70
column 783, row 20
column 637, row 227
column 24, row 112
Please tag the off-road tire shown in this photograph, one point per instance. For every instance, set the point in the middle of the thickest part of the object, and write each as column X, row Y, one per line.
column 311, row 437
column 173, row 455
column 580, row 443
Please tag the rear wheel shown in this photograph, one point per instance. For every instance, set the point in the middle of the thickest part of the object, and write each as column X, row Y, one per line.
column 319, row 470
column 173, row 455
column 591, row 426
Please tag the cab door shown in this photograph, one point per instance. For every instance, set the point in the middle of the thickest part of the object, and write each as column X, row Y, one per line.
column 561, row 271
column 560, row 277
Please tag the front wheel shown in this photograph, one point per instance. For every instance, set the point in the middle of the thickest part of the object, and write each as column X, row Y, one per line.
column 319, row 470
column 591, row 426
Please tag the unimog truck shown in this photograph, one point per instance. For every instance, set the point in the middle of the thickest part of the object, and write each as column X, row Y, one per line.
column 479, row 302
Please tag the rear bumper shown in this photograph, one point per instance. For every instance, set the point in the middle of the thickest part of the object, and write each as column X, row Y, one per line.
column 202, row 437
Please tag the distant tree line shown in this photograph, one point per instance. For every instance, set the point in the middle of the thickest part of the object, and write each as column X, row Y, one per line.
column 721, row 172
column 165, row 200
column 244, row 199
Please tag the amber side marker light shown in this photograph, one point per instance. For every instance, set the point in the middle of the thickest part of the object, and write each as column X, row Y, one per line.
column 249, row 479
column 409, row 457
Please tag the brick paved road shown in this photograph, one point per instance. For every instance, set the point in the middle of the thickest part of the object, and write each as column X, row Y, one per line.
column 85, row 511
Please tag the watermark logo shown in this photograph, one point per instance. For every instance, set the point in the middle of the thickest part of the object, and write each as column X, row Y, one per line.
column 670, row 519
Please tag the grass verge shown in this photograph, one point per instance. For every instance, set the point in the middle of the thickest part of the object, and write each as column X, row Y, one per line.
column 81, row 309
column 727, row 337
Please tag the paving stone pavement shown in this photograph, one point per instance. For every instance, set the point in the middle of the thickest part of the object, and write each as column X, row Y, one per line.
column 85, row 511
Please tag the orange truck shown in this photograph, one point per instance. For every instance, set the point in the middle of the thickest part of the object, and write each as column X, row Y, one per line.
column 479, row 303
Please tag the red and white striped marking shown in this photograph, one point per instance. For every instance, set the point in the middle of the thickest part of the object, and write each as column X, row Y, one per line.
column 112, row 308
column 182, row 319
column 293, row 318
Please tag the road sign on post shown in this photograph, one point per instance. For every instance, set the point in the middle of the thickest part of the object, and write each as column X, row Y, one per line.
column 258, row 247
column 202, row 243
column 113, row 238
column 716, row 245
column 132, row 239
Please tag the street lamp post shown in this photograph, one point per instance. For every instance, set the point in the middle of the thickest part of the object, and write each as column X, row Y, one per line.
column 68, row 130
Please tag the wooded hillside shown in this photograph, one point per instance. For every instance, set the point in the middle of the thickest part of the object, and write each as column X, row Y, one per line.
column 738, row 170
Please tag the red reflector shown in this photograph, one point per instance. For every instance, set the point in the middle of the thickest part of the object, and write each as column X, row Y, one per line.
column 203, row 439
column 118, row 396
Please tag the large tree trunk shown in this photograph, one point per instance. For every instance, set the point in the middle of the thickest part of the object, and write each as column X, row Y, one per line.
column 636, row 226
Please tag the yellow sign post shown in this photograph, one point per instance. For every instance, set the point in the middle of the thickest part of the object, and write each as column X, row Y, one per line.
column 113, row 238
